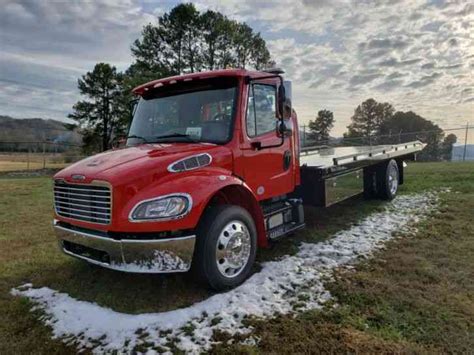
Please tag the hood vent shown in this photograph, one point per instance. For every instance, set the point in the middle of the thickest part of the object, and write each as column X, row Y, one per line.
column 190, row 163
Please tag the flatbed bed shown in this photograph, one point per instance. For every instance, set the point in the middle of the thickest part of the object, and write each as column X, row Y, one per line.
column 332, row 174
column 333, row 160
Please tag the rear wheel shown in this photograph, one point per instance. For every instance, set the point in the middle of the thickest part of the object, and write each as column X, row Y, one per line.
column 226, row 247
column 388, row 178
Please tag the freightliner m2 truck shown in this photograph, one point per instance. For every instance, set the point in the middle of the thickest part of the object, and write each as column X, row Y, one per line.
column 211, row 171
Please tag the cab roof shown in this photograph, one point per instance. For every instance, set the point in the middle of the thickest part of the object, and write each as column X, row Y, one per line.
column 139, row 90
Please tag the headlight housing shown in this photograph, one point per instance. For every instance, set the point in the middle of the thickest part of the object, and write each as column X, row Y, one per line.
column 162, row 208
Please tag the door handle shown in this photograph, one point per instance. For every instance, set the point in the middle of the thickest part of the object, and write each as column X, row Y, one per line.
column 256, row 145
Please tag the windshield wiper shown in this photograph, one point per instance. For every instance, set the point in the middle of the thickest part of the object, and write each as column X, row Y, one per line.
column 177, row 135
column 138, row 137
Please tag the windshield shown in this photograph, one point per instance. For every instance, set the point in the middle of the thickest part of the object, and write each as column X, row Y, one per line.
column 202, row 111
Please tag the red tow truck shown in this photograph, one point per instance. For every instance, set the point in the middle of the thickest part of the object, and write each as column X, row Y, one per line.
column 211, row 171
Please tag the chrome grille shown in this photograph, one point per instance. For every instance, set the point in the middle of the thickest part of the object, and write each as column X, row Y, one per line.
column 89, row 203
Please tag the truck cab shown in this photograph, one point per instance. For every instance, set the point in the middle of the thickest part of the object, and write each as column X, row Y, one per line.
column 206, row 178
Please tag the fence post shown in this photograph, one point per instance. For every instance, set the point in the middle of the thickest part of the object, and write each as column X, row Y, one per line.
column 465, row 143
column 304, row 135
column 28, row 159
column 44, row 155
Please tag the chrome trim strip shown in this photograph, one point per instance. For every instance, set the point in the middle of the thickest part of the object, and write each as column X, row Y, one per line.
column 87, row 208
column 171, row 170
column 182, row 194
column 86, row 211
column 122, row 240
column 102, row 190
column 81, row 200
column 86, row 218
column 88, row 235
column 76, row 194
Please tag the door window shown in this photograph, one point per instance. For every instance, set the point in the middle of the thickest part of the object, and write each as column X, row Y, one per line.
column 261, row 109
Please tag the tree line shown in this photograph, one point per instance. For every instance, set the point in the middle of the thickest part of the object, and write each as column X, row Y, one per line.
column 379, row 123
column 182, row 40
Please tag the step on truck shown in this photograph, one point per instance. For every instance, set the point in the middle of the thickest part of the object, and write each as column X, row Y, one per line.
column 211, row 171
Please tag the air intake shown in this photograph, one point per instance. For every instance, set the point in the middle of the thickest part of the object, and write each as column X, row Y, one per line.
column 190, row 163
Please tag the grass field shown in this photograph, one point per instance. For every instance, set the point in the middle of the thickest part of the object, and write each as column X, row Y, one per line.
column 415, row 296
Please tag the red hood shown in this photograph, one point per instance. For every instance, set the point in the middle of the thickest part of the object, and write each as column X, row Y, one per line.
column 146, row 159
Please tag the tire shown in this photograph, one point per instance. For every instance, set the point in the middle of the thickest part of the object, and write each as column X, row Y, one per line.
column 226, row 247
column 370, row 183
column 388, row 178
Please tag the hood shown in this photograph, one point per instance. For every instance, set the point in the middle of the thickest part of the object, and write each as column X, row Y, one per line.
column 140, row 160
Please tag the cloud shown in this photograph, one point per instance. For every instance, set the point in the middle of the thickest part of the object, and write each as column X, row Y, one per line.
column 363, row 78
column 337, row 52
column 393, row 62
column 395, row 75
column 389, row 85
column 430, row 65
column 425, row 80
column 386, row 43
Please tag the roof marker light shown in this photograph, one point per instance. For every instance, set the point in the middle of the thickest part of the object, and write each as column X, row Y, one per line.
column 172, row 82
column 157, row 85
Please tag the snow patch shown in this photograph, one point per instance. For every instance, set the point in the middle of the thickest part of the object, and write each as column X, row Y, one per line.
column 162, row 261
column 288, row 285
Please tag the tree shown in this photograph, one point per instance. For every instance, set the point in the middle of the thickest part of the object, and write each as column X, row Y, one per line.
column 185, row 40
column 99, row 115
column 321, row 126
column 408, row 126
column 447, row 147
column 368, row 118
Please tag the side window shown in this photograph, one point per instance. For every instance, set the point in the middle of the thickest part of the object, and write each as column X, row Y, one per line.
column 261, row 109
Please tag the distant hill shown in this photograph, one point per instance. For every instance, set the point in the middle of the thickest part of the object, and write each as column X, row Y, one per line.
column 34, row 130
column 458, row 151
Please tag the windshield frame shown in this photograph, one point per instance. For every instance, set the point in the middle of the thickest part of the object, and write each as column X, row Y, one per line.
column 186, row 88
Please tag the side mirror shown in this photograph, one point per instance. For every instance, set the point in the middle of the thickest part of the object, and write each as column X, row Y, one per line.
column 281, row 100
column 284, row 128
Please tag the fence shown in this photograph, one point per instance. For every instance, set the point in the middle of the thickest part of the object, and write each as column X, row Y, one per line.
column 437, row 148
column 24, row 155
column 20, row 156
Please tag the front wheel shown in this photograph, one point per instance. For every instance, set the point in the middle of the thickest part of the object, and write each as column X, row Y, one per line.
column 226, row 247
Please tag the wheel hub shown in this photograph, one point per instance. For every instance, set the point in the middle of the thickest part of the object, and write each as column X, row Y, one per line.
column 233, row 249
column 393, row 180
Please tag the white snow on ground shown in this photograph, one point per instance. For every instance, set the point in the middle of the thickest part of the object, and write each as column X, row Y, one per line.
column 162, row 261
column 284, row 286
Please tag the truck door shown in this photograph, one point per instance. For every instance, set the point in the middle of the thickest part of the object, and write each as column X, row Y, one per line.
column 267, row 171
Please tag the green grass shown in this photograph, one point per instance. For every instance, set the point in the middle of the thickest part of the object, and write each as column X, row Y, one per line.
column 416, row 296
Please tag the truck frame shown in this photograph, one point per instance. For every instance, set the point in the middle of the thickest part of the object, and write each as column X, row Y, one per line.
column 212, row 171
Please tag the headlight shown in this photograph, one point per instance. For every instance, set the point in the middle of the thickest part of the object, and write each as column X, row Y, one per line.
column 164, row 207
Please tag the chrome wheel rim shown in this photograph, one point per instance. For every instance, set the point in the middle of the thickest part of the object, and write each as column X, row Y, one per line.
column 233, row 249
column 393, row 180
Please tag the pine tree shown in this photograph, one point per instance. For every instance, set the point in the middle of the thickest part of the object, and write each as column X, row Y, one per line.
column 321, row 126
column 98, row 115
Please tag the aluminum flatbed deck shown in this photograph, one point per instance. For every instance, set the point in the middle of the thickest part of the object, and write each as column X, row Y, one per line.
column 330, row 160
column 330, row 175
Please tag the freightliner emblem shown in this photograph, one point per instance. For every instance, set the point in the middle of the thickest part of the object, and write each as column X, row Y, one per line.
column 78, row 177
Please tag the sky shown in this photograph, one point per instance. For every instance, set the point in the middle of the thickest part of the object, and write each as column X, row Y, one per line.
column 417, row 55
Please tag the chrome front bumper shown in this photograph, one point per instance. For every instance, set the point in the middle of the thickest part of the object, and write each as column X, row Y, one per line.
column 140, row 256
